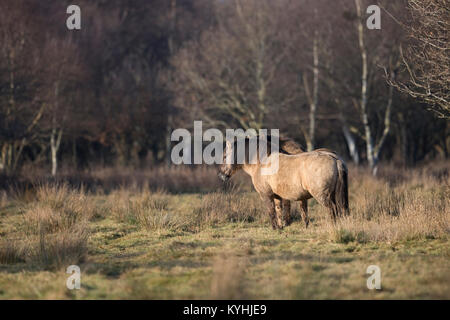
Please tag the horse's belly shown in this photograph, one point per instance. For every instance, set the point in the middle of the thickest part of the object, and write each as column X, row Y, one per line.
column 300, row 195
column 290, row 192
column 303, row 195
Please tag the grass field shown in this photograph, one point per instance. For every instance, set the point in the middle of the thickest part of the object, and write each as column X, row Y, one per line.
column 140, row 244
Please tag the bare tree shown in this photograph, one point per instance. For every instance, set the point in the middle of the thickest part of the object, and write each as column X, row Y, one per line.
column 373, row 148
column 427, row 59
column 170, row 41
column 21, row 106
column 313, row 98
column 229, row 75
column 64, row 73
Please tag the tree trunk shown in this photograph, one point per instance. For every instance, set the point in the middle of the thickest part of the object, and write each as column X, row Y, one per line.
column 56, row 134
column 74, row 153
column 55, row 142
column 313, row 99
column 363, row 103
column 387, row 124
column 173, row 16
column 351, row 143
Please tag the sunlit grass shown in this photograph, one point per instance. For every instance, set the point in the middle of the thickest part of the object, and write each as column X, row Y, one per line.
column 144, row 244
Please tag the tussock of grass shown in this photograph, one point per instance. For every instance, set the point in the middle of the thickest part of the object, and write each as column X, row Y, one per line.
column 59, row 249
column 10, row 252
column 151, row 210
column 219, row 208
column 53, row 229
column 148, row 210
column 382, row 212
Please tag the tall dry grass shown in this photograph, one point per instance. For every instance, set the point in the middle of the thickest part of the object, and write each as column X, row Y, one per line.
column 145, row 209
column 390, row 209
column 229, row 207
column 154, row 211
column 52, row 231
column 176, row 179
column 53, row 228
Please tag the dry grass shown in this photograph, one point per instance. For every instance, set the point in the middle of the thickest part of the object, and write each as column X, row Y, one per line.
column 145, row 209
column 152, row 211
column 107, row 179
column 415, row 208
column 149, row 243
column 11, row 252
column 3, row 198
column 228, row 277
column 221, row 207
column 52, row 230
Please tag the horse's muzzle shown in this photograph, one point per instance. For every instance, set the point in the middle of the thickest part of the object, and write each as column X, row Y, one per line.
column 223, row 176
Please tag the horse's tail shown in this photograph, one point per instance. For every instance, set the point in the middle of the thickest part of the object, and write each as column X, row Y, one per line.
column 341, row 191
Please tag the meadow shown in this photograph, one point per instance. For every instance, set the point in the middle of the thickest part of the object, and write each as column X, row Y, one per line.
column 180, row 234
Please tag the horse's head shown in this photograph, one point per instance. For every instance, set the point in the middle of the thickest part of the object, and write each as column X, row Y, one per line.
column 229, row 164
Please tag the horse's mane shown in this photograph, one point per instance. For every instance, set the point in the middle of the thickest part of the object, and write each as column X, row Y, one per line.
column 287, row 145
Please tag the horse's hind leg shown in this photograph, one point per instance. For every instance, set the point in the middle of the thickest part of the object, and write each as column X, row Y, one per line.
column 304, row 211
column 328, row 203
column 279, row 213
column 332, row 210
column 286, row 204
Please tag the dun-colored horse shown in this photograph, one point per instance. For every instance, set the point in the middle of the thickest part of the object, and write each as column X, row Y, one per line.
column 319, row 174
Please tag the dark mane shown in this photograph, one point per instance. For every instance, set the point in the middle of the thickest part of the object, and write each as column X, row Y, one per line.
column 287, row 145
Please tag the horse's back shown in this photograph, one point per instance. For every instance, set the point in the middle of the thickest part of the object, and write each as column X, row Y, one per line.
column 302, row 175
column 317, row 165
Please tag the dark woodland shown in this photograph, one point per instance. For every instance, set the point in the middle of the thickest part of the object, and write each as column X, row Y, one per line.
column 110, row 94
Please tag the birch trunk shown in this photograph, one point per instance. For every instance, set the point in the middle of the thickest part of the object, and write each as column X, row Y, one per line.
column 55, row 142
column 351, row 143
column 56, row 134
column 373, row 151
column 173, row 12
column 363, row 102
column 313, row 99
column 387, row 128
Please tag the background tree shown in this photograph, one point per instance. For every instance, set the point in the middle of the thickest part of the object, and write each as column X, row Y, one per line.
column 426, row 59
column 111, row 93
column 229, row 75
column 21, row 74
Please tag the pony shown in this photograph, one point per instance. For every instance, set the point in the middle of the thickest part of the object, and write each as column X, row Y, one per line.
column 320, row 174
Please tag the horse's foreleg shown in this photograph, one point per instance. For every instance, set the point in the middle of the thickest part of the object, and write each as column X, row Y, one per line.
column 271, row 210
column 278, row 212
column 304, row 211
column 286, row 206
